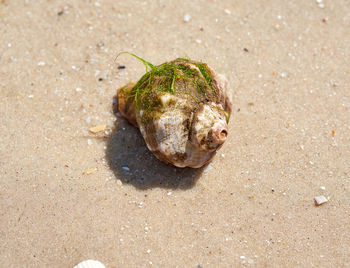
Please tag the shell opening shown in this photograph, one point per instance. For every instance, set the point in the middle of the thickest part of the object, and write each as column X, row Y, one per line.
column 222, row 136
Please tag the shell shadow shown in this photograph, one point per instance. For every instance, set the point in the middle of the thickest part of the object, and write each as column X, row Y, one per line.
column 132, row 162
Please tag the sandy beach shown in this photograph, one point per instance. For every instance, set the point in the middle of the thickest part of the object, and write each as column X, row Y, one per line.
column 67, row 194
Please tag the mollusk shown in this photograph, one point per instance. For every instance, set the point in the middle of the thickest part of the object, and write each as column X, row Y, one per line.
column 90, row 264
column 182, row 109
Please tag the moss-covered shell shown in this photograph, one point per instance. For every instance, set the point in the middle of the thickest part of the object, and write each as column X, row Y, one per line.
column 177, row 105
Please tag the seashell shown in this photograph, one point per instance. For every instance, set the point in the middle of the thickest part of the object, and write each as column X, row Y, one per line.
column 182, row 109
column 90, row 264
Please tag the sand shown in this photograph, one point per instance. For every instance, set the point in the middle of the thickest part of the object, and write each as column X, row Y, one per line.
column 68, row 194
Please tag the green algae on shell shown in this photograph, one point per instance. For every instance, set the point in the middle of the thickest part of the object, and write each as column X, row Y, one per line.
column 182, row 109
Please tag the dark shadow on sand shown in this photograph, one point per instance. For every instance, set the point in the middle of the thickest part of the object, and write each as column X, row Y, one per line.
column 133, row 163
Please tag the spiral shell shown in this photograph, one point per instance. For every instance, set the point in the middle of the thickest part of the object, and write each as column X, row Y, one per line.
column 90, row 264
column 182, row 109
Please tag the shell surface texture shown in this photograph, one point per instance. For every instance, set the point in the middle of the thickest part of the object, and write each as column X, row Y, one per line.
column 182, row 109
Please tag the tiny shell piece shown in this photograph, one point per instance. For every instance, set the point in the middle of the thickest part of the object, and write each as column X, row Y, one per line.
column 98, row 129
column 319, row 200
column 90, row 171
column 187, row 18
column 90, row 264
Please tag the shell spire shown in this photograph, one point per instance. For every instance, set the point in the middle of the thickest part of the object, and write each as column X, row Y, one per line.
column 182, row 109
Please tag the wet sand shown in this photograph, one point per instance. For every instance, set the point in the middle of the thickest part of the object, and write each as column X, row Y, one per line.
column 68, row 195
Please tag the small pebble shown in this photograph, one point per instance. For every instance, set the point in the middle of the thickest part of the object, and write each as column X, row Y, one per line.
column 277, row 26
column 187, row 18
column 319, row 200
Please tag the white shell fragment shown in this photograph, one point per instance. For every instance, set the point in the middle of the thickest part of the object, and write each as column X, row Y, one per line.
column 319, row 200
column 187, row 18
column 90, row 264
